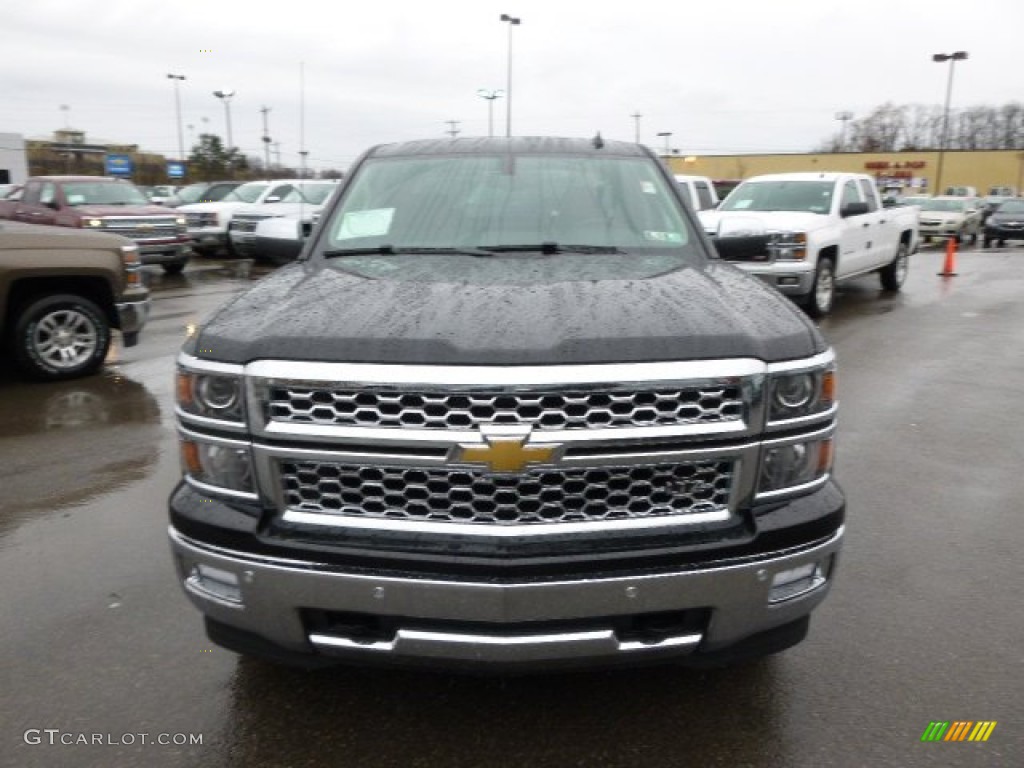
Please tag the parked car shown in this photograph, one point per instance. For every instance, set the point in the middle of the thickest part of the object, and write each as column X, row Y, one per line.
column 208, row 222
column 249, row 236
column 161, row 193
column 960, row 191
column 1005, row 223
column 104, row 204
column 62, row 290
column 699, row 191
column 201, row 192
column 510, row 410
column 804, row 232
column 951, row 216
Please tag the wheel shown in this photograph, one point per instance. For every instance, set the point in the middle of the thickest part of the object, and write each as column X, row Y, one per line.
column 60, row 337
column 894, row 274
column 986, row 243
column 823, row 292
column 174, row 268
column 1002, row 243
column 974, row 237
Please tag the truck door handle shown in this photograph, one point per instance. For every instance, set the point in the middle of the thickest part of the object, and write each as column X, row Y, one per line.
column 881, row 221
column 866, row 224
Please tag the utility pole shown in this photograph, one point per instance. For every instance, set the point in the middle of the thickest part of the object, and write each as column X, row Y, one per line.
column 277, row 153
column 636, row 117
column 453, row 129
column 266, row 139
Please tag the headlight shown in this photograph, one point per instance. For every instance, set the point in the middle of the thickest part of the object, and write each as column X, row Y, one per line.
column 801, row 393
column 788, row 245
column 130, row 255
column 210, row 395
column 790, row 466
column 222, row 466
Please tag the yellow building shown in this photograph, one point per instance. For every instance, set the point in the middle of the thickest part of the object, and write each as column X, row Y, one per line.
column 915, row 172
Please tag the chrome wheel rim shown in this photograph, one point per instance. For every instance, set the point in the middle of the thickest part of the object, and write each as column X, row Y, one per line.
column 65, row 339
column 902, row 266
column 825, row 287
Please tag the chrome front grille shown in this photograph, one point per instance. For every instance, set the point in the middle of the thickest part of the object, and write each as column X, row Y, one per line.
column 535, row 496
column 540, row 410
column 143, row 228
column 246, row 224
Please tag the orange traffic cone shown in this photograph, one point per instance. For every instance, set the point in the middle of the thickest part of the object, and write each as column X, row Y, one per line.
column 949, row 267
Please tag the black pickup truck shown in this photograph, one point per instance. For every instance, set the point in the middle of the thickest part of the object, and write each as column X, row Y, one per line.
column 508, row 409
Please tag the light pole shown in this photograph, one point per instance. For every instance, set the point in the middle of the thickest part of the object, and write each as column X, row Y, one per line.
column 952, row 58
column 636, row 118
column 177, row 111
column 843, row 117
column 666, row 135
column 512, row 22
column 225, row 96
column 490, row 95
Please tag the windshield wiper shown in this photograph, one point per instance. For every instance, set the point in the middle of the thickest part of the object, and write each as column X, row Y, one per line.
column 552, row 248
column 390, row 250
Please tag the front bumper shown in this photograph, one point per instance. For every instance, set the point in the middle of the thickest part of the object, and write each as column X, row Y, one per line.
column 132, row 314
column 515, row 623
column 163, row 252
column 941, row 229
column 208, row 237
column 793, row 278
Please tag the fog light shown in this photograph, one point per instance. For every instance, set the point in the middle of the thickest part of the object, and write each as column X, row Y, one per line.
column 216, row 583
column 794, row 582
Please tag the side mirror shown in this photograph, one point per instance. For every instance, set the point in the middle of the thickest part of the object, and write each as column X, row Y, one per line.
column 853, row 209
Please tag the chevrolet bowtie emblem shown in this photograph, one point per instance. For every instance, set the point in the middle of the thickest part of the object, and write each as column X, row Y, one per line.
column 506, row 453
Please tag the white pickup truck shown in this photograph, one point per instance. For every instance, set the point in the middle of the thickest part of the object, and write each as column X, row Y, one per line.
column 804, row 232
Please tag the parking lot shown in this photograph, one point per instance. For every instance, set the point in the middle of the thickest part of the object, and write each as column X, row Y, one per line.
column 924, row 622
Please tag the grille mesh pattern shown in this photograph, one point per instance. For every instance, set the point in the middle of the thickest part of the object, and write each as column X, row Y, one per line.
column 537, row 496
column 572, row 410
column 143, row 228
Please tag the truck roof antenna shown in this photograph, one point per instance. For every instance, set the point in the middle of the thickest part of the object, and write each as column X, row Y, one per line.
column 597, row 141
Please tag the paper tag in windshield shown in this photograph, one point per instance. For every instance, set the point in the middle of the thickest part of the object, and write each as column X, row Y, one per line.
column 648, row 188
column 372, row 223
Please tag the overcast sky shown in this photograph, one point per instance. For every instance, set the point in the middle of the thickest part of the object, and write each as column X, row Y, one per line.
column 723, row 77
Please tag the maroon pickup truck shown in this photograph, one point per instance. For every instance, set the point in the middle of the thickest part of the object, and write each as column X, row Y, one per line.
column 103, row 204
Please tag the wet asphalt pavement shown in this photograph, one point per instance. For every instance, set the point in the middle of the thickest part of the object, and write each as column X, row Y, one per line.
column 925, row 621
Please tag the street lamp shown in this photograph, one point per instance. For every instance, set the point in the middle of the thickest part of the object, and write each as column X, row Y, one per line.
column 843, row 117
column 512, row 22
column 225, row 96
column 177, row 111
column 665, row 135
column 490, row 95
column 952, row 58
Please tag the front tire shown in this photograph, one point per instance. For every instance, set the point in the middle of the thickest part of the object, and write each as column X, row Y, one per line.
column 823, row 292
column 60, row 337
column 894, row 274
column 174, row 267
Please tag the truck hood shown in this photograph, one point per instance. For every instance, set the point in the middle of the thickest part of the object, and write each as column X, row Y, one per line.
column 217, row 206
column 123, row 210
column 547, row 312
column 295, row 210
column 779, row 221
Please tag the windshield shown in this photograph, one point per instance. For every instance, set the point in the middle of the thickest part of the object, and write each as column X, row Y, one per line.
column 103, row 193
column 247, row 193
column 480, row 201
column 1011, row 206
column 936, row 204
column 309, row 193
column 802, row 196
